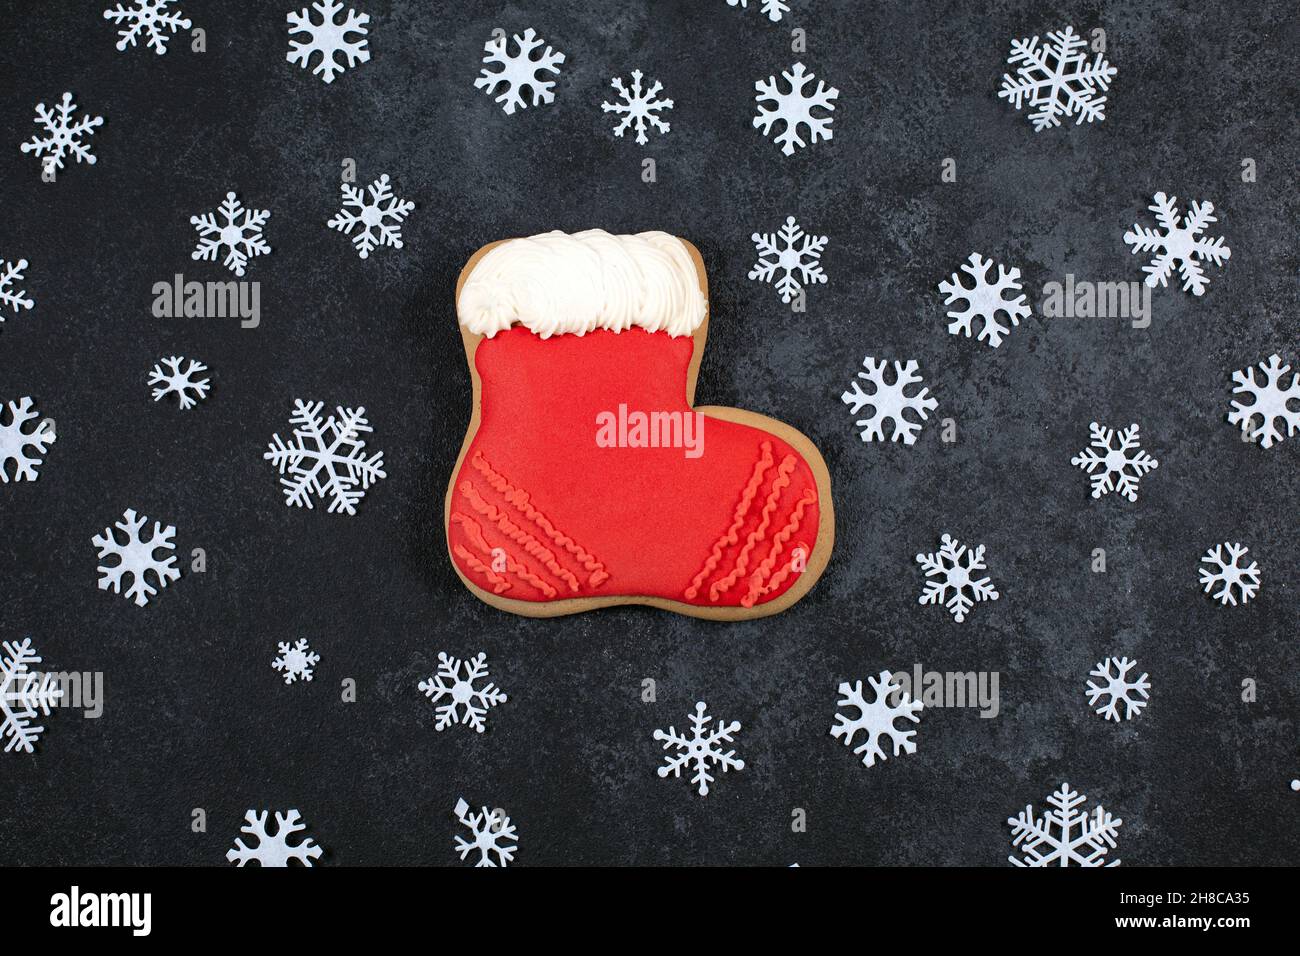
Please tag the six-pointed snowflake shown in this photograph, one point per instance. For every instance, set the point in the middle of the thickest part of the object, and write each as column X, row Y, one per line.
column 462, row 701
column 329, row 38
column 16, row 299
column 700, row 750
column 295, row 661
column 380, row 217
column 795, row 109
column 955, row 585
column 24, row 695
column 1114, row 461
column 1271, row 403
column 984, row 300
column 243, row 239
column 136, row 556
column 774, row 9
column 493, row 834
column 877, row 718
column 638, row 107
column 183, row 384
column 888, row 401
column 63, row 134
column 326, row 458
column 1053, row 840
column 792, row 252
column 20, row 446
column 1228, row 571
column 1116, row 688
column 519, row 71
column 273, row 850
column 147, row 17
column 1057, row 79
column 1181, row 245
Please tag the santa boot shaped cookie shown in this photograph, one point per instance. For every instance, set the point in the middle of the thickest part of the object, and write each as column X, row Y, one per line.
column 587, row 478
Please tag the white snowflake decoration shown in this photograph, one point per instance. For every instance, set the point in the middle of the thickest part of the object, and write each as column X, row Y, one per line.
column 793, row 253
column 1270, row 402
column 296, row 660
column 889, row 401
column 1228, row 571
column 380, row 217
column 23, row 696
column 243, row 239
column 774, row 9
column 519, row 71
column 136, row 556
column 1114, row 461
column 15, row 299
column 462, row 701
column 1117, row 688
column 329, row 38
column 700, row 750
column 1182, row 245
column 326, row 458
column 877, row 718
column 955, row 585
column 23, row 448
column 1057, row 79
column 273, row 850
column 147, row 17
column 63, row 134
column 1052, row 839
column 493, row 834
column 638, row 107
column 795, row 109
column 984, row 300
column 183, row 384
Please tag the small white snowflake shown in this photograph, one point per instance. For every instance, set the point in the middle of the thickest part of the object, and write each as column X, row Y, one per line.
column 1270, row 402
column 774, row 9
column 1109, row 463
column 380, row 216
column 1181, row 245
column 23, row 447
column 1052, row 840
column 519, row 71
column 493, row 834
column 180, row 383
column 295, row 661
column 326, row 458
column 136, row 557
column 244, row 239
column 700, row 750
column 16, row 299
column 1057, row 79
column 24, row 695
column 638, row 107
column 329, row 39
column 1229, row 571
column 877, row 718
column 794, row 253
column 889, row 401
column 795, row 108
column 147, row 17
column 1117, row 689
column 956, row 586
column 273, row 850
column 464, row 703
column 63, row 134
column 984, row 300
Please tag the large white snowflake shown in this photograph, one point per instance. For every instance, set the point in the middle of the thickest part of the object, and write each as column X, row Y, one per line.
column 136, row 556
column 63, row 134
column 273, row 850
column 243, row 238
column 889, row 401
column 793, row 253
column 700, row 750
column 1053, row 840
column 955, row 586
column 1057, row 79
column 16, row 299
column 329, row 38
column 795, row 108
column 1227, row 571
column 519, row 71
column 326, row 458
column 638, row 107
column 147, row 17
column 492, row 833
column 1180, row 245
column 24, row 695
column 1114, row 461
column 188, row 389
column 984, row 300
column 380, row 217
column 462, row 701
column 774, row 9
column 1116, row 689
column 877, row 717
column 20, row 446
column 296, row 660
column 1271, row 402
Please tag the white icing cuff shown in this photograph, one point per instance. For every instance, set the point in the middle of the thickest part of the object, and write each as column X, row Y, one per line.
column 556, row 283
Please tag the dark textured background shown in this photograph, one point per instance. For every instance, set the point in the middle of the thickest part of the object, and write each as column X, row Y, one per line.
column 195, row 715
